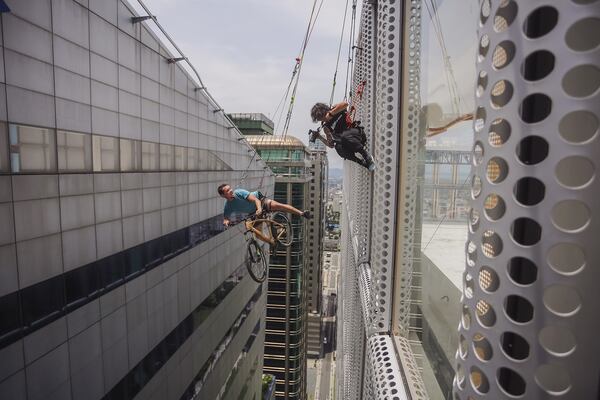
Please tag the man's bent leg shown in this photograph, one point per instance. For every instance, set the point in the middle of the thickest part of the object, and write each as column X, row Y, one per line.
column 362, row 162
column 353, row 143
column 275, row 206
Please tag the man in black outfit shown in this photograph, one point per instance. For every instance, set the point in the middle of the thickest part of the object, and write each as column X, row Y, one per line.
column 346, row 140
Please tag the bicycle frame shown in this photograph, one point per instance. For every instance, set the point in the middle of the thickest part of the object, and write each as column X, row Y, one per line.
column 253, row 225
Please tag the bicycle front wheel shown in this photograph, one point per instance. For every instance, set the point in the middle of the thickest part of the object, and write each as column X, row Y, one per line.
column 282, row 229
column 256, row 261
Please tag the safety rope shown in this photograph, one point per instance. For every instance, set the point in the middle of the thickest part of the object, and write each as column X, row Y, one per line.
column 311, row 24
column 337, row 62
column 351, row 47
column 285, row 95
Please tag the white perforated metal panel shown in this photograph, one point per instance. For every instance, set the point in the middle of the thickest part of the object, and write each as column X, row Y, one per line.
column 352, row 326
column 386, row 376
column 529, row 316
column 371, row 216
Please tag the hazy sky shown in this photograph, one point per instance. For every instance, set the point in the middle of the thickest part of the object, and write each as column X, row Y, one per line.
column 245, row 52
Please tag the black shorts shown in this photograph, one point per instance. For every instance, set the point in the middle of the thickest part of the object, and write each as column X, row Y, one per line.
column 264, row 202
column 350, row 142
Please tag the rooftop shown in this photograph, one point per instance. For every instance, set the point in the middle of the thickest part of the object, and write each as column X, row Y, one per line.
column 252, row 117
column 275, row 141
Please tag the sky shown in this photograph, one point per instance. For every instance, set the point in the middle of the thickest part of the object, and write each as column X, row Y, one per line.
column 245, row 50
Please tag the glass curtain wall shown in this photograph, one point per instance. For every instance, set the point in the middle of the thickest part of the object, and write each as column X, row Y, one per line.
column 447, row 86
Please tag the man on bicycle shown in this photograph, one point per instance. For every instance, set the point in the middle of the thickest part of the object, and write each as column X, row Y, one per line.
column 243, row 201
column 347, row 140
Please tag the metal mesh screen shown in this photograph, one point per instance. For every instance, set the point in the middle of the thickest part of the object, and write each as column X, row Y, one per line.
column 529, row 319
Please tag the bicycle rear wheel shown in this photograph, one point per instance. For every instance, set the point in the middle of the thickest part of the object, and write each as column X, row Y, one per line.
column 256, row 261
column 282, row 229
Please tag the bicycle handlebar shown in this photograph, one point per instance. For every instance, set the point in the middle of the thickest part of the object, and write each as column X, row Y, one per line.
column 250, row 217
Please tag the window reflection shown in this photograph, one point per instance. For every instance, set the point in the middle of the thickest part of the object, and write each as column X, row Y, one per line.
column 167, row 157
column 447, row 87
column 74, row 151
column 249, row 380
column 106, row 153
column 26, row 149
column 131, row 155
column 4, row 158
column 32, row 149
column 193, row 159
column 142, row 373
column 150, row 156
column 194, row 389
column 45, row 302
column 180, row 158
column 237, row 363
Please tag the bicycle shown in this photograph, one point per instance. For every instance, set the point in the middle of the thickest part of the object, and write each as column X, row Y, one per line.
column 279, row 231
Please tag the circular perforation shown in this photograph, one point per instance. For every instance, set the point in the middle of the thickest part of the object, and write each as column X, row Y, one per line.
column 532, row 214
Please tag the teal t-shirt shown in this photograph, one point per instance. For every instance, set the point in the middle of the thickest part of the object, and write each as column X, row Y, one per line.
column 240, row 203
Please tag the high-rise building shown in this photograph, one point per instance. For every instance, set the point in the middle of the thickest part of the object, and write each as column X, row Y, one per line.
column 117, row 279
column 252, row 123
column 468, row 255
column 315, row 233
column 287, row 300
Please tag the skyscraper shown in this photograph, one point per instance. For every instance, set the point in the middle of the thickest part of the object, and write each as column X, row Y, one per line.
column 468, row 254
column 253, row 123
column 117, row 279
column 315, row 233
column 287, row 300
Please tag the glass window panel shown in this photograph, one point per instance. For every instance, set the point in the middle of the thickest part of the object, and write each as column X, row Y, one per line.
column 150, row 157
column 106, row 153
column 131, row 155
column 4, row 149
column 202, row 159
column 214, row 164
column 180, row 158
column 192, row 159
column 32, row 149
column 297, row 154
column 167, row 158
column 74, row 151
column 445, row 132
column 4, row 157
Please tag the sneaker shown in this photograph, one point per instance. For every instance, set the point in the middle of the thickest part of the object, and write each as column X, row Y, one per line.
column 313, row 136
column 371, row 162
column 306, row 214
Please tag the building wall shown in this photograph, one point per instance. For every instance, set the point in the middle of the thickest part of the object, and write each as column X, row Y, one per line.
column 285, row 342
column 287, row 304
column 114, row 266
column 315, row 232
column 458, row 78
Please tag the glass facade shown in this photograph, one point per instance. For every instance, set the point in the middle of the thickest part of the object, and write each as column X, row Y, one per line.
column 74, row 151
column 115, row 269
column 131, row 155
column 194, row 390
column 106, row 153
column 285, row 349
column 4, row 153
column 447, row 65
column 36, row 306
column 29, row 149
column 32, row 149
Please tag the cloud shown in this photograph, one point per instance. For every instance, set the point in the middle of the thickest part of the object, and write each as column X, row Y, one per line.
column 245, row 51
